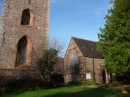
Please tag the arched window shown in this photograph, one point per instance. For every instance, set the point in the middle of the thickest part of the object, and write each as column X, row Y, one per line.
column 27, row 18
column 24, row 51
column 21, row 51
column 73, row 63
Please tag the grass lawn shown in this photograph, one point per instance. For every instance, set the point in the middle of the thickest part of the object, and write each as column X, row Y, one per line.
column 70, row 91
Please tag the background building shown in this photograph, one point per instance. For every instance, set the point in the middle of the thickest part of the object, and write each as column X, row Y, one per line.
column 82, row 63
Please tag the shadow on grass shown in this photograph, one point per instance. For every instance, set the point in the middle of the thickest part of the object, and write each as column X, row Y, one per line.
column 70, row 92
column 93, row 92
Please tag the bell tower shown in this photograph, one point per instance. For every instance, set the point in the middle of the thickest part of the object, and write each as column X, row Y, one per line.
column 24, row 30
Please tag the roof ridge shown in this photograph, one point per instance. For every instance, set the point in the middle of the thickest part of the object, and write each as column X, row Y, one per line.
column 84, row 39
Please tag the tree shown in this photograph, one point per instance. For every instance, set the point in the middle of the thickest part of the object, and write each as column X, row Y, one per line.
column 114, row 39
column 48, row 63
column 58, row 44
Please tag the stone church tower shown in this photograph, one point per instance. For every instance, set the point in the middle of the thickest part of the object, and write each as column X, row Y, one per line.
column 23, row 30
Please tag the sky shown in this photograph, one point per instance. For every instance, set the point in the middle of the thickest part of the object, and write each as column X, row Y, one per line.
column 76, row 18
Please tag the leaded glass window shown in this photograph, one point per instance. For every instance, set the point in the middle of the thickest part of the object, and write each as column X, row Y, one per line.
column 73, row 63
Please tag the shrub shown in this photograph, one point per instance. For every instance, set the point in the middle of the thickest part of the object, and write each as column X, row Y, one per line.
column 74, row 83
column 83, row 83
column 22, row 85
column 89, row 83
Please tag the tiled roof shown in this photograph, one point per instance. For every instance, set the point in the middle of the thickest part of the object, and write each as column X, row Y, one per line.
column 87, row 48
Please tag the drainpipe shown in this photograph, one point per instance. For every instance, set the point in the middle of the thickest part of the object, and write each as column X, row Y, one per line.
column 93, row 71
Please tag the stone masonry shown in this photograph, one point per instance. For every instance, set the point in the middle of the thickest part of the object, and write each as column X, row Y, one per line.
column 24, row 25
column 91, row 69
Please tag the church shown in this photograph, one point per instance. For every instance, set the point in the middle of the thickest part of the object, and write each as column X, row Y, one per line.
column 24, row 33
column 82, row 63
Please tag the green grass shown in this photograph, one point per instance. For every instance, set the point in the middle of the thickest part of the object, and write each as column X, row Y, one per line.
column 70, row 91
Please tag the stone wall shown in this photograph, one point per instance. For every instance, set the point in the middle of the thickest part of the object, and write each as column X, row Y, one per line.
column 7, row 75
column 89, row 67
column 12, row 30
column 77, row 76
column 93, row 66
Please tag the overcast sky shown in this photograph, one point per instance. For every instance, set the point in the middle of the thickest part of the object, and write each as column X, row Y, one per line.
column 78, row 18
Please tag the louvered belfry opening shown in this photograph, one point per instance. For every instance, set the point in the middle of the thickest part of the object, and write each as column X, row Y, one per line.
column 21, row 51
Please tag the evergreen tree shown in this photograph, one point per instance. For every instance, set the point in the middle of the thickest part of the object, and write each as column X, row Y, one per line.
column 114, row 39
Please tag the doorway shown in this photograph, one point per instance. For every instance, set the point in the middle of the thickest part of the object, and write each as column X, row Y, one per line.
column 104, row 76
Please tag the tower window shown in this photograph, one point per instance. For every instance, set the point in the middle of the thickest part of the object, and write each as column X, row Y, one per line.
column 27, row 18
column 24, row 49
column 21, row 51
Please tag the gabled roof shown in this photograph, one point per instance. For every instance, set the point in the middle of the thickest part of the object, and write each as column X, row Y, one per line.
column 87, row 48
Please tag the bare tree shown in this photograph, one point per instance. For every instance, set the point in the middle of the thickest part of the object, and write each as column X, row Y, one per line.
column 50, row 63
column 57, row 44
